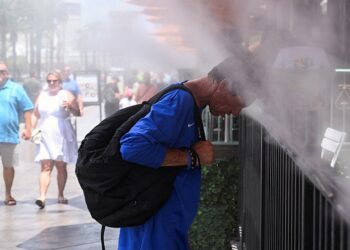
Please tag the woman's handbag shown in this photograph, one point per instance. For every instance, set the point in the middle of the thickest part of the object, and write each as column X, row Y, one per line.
column 36, row 136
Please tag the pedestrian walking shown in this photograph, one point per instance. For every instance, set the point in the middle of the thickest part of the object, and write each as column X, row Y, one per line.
column 71, row 85
column 32, row 86
column 14, row 102
column 127, row 100
column 111, row 96
column 57, row 145
column 146, row 89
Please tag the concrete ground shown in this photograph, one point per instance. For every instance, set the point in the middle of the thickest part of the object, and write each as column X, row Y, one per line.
column 57, row 226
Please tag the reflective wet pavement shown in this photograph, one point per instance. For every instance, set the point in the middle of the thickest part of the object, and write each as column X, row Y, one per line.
column 57, row 226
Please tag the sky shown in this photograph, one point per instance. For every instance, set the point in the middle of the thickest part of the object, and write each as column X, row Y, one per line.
column 98, row 12
column 140, row 39
column 93, row 11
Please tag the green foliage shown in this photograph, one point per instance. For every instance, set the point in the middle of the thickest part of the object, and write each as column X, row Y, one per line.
column 214, row 225
column 36, row 19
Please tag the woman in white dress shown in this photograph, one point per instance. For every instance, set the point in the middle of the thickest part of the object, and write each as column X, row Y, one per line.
column 57, row 145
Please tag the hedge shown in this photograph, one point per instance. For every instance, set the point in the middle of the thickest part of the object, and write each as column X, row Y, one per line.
column 216, row 220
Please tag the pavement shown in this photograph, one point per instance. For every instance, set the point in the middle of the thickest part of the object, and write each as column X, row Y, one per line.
column 57, row 226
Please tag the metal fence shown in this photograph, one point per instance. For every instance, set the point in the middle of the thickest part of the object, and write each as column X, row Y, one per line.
column 282, row 207
column 221, row 130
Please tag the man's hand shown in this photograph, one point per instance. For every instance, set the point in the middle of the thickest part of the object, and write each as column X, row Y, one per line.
column 205, row 151
column 81, row 110
column 26, row 134
column 65, row 105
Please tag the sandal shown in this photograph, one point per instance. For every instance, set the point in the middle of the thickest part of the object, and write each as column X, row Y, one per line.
column 62, row 201
column 40, row 203
column 10, row 202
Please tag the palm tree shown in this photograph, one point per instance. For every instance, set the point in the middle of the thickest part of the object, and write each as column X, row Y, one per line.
column 16, row 19
column 12, row 19
column 44, row 19
column 3, row 29
column 37, row 19
column 93, row 38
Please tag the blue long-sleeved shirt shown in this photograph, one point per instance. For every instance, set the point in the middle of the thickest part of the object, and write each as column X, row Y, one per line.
column 170, row 124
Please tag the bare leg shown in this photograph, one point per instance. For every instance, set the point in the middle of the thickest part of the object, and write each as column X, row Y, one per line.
column 61, row 179
column 45, row 177
column 8, row 174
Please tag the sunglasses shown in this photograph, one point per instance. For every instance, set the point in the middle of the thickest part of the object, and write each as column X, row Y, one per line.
column 3, row 71
column 51, row 81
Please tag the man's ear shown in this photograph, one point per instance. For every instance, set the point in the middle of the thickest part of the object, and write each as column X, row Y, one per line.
column 223, row 83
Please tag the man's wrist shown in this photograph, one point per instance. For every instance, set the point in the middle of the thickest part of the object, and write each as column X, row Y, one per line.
column 191, row 158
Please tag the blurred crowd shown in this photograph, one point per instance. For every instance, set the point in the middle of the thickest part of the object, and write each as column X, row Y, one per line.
column 131, row 88
column 118, row 90
column 47, row 111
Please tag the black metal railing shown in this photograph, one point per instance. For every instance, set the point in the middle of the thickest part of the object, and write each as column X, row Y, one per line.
column 282, row 205
column 220, row 130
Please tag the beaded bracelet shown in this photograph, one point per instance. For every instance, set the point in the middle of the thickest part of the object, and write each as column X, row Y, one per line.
column 192, row 158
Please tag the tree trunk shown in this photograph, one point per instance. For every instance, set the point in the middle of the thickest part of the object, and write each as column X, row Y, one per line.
column 58, row 50
column 38, row 53
column 3, row 32
column 3, row 46
column 52, row 49
column 86, row 59
column 26, row 52
column 94, row 59
column 31, row 52
column 14, row 54
column 63, row 46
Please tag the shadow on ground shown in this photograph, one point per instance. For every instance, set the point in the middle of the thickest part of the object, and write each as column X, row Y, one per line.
column 74, row 237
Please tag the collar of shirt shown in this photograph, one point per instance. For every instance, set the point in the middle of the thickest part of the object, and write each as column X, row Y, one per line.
column 5, row 85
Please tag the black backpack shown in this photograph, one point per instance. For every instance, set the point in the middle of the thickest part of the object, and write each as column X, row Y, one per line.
column 120, row 193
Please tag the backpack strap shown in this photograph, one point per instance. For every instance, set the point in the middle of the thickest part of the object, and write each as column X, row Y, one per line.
column 103, row 227
column 197, row 113
column 199, row 123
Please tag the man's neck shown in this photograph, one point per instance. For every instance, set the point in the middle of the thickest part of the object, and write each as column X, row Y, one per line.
column 201, row 89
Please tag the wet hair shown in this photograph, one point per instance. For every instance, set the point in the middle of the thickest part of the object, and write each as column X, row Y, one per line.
column 242, row 72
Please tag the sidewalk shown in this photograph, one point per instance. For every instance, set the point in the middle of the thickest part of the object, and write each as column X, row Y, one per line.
column 57, row 226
